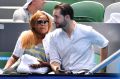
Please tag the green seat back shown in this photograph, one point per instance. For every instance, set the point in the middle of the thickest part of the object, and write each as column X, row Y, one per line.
column 90, row 10
column 66, row 1
column 49, row 6
column 70, row 1
column 97, row 58
column 84, row 19
column 4, row 56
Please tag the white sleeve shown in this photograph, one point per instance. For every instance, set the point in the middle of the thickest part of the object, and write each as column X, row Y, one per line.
column 18, row 51
column 51, row 49
column 18, row 16
column 98, row 39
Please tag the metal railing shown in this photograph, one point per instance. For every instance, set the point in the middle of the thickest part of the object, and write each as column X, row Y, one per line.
column 105, row 62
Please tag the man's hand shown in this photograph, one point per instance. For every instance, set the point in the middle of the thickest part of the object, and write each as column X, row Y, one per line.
column 64, row 72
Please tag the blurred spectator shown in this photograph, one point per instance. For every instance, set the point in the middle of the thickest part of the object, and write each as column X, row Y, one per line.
column 24, row 13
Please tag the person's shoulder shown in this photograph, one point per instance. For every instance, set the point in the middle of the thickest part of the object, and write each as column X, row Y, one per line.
column 84, row 27
column 19, row 15
column 19, row 11
column 25, row 33
column 54, row 33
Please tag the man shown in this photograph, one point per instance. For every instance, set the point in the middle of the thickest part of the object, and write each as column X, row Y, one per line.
column 24, row 13
column 70, row 46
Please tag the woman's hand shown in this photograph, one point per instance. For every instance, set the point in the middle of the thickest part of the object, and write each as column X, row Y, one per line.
column 35, row 66
column 41, row 64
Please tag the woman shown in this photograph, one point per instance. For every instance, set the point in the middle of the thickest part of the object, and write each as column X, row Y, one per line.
column 30, row 41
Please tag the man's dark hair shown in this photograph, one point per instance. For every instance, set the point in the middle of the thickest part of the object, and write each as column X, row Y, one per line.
column 66, row 9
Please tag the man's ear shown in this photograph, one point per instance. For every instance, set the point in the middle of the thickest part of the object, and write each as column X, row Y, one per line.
column 67, row 17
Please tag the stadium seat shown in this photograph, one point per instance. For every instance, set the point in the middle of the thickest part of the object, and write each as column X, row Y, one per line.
column 49, row 6
column 70, row 1
column 66, row 1
column 112, row 8
column 93, row 12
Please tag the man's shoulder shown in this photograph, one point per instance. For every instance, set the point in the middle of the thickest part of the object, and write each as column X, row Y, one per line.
column 20, row 10
column 84, row 27
column 54, row 33
column 20, row 15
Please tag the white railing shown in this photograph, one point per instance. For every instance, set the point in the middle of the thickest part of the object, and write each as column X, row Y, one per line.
column 104, row 63
column 9, row 7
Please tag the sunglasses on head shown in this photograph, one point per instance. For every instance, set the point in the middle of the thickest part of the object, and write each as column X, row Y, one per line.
column 42, row 21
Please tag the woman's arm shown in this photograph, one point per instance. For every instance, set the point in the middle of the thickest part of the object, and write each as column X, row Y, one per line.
column 11, row 61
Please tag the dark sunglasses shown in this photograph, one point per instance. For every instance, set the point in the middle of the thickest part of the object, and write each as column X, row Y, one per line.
column 42, row 21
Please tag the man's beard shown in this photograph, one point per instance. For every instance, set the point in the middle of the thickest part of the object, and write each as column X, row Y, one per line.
column 62, row 25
